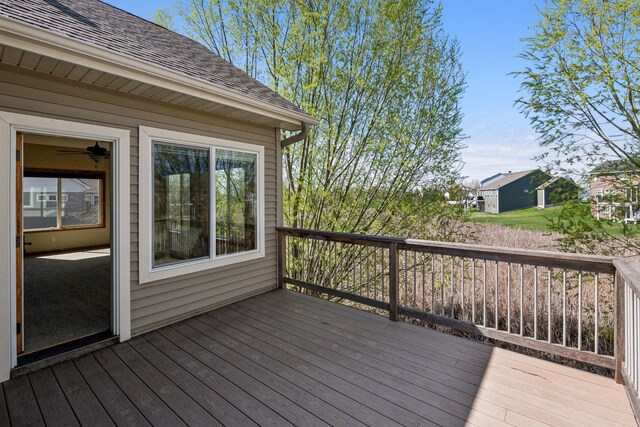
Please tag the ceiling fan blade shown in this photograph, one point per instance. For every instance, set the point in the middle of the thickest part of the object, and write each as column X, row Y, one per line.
column 73, row 153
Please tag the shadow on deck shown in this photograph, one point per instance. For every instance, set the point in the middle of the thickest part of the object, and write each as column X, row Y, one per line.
column 283, row 358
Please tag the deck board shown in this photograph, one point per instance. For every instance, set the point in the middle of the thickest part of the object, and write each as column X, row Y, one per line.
column 115, row 402
column 84, row 403
column 282, row 358
column 51, row 399
column 517, row 389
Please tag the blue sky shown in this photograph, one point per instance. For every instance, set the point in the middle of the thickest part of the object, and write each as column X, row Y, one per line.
column 489, row 31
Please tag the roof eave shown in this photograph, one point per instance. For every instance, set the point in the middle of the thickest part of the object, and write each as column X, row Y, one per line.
column 24, row 36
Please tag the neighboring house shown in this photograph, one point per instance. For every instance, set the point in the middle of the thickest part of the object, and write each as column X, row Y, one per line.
column 614, row 192
column 514, row 190
column 175, row 117
column 557, row 191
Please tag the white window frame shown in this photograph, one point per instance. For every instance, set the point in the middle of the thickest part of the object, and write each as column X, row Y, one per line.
column 147, row 272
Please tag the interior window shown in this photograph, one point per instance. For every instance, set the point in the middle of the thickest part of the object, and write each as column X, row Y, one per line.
column 51, row 201
column 236, row 201
column 181, row 203
column 80, row 202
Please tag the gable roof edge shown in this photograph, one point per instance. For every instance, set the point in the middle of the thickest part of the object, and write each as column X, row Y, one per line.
column 23, row 36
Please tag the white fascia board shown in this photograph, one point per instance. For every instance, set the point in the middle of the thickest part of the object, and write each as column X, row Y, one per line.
column 32, row 39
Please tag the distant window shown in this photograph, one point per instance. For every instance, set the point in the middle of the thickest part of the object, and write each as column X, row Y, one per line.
column 80, row 195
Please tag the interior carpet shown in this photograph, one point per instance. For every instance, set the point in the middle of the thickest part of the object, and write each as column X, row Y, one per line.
column 66, row 296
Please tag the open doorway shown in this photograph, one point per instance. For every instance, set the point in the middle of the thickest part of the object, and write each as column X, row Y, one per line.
column 66, row 290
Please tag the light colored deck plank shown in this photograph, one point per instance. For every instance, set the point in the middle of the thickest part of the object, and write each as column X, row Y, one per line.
column 607, row 402
column 505, row 397
column 467, row 350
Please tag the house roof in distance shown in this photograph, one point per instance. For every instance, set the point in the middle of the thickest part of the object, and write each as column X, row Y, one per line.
column 96, row 23
column 508, row 178
column 491, row 179
column 612, row 166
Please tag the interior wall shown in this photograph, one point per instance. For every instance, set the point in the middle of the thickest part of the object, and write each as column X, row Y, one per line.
column 41, row 152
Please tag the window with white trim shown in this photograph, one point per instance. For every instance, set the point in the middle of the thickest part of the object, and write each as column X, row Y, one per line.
column 60, row 200
column 204, row 198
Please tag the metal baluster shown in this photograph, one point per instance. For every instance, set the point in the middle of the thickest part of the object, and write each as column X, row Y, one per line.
column 509, row 297
column 495, row 304
column 453, row 288
column 415, row 279
column 383, row 272
column 442, row 284
column 484, row 291
column 424, row 279
column 549, row 308
column 580, row 310
column 564, row 308
column 406, row 279
column 473, row 292
column 535, row 302
column 368, row 272
column 635, row 340
column 462, row 285
column 433, row 284
column 353, row 264
column 521, row 299
column 595, row 314
column 375, row 273
column 360, row 264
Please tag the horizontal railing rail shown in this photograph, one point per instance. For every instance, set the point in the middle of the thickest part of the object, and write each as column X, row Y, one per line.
column 628, row 329
column 558, row 303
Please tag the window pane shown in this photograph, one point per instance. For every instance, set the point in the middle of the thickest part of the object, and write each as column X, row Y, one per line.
column 39, row 203
column 180, row 204
column 80, row 202
column 236, row 201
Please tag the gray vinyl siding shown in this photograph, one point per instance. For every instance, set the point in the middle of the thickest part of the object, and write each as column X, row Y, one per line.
column 158, row 303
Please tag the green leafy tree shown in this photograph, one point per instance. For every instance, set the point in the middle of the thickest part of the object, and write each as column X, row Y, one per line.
column 165, row 19
column 581, row 95
column 381, row 76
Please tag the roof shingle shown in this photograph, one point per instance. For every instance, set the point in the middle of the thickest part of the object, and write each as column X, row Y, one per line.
column 100, row 24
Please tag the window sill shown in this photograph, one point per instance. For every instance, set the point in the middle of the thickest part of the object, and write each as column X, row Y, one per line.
column 56, row 229
column 181, row 269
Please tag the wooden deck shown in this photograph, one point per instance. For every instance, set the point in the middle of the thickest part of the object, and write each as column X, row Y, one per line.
column 286, row 359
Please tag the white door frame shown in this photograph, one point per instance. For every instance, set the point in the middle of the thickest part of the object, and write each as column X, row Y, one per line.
column 10, row 124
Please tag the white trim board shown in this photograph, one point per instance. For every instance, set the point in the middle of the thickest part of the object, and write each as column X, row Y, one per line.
column 10, row 124
column 147, row 135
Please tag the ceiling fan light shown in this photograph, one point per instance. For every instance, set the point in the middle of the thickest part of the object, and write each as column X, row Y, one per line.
column 97, row 157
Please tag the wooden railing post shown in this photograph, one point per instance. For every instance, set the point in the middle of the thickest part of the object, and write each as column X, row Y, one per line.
column 619, row 318
column 394, row 278
column 282, row 258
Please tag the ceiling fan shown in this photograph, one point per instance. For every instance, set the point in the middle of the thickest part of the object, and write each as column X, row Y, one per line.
column 95, row 152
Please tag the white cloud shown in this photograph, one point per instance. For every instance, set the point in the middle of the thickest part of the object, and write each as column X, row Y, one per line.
column 499, row 144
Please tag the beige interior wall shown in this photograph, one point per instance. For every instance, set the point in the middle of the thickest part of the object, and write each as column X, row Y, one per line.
column 41, row 152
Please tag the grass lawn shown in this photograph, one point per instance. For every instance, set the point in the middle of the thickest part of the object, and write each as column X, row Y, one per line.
column 530, row 218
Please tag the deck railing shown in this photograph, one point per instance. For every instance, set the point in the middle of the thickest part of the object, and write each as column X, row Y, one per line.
column 628, row 323
column 562, row 304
